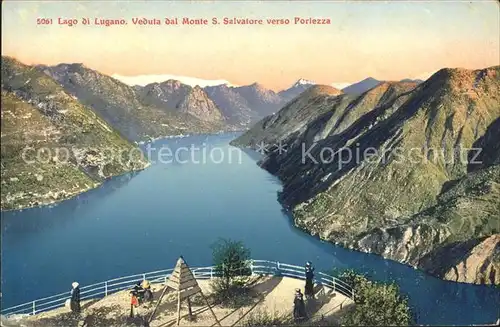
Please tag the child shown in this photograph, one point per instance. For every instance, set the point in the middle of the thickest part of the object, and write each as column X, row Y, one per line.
column 134, row 303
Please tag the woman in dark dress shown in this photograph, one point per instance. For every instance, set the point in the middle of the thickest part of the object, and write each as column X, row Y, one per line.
column 75, row 298
column 299, row 307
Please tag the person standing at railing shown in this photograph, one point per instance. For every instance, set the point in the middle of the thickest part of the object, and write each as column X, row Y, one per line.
column 75, row 298
column 309, row 289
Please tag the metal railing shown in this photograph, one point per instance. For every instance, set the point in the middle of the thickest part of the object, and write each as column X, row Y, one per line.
column 102, row 289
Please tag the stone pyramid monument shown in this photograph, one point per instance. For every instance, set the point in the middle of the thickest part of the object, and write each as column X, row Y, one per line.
column 185, row 284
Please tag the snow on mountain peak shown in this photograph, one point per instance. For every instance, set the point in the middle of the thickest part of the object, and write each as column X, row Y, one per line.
column 303, row 81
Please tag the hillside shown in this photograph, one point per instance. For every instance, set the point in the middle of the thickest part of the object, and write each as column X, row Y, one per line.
column 139, row 113
column 293, row 117
column 76, row 149
column 295, row 90
column 385, row 157
column 233, row 106
column 323, row 111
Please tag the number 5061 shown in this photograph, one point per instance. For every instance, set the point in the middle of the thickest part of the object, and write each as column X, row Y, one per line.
column 44, row 21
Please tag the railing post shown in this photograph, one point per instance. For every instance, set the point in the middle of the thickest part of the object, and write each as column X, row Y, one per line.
column 34, row 308
column 143, row 276
column 211, row 272
column 106, row 288
column 278, row 268
column 251, row 267
column 334, row 283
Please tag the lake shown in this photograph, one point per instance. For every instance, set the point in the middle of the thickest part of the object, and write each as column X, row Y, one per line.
column 143, row 221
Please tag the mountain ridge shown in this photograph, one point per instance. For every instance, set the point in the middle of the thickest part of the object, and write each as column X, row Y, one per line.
column 340, row 198
column 38, row 115
column 137, row 114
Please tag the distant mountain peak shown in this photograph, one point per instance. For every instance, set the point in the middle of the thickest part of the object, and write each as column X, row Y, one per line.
column 258, row 86
column 361, row 86
column 323, row 90
column 172, row 83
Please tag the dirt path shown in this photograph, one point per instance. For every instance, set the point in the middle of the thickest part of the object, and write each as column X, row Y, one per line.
column 270, row 296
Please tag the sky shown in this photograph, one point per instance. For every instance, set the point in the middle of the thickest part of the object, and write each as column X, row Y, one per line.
column 388, row 40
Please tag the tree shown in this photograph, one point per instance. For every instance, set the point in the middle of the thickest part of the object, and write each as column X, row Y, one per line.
column 231, row 259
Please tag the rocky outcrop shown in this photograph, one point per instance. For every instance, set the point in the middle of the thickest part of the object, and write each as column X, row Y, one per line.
column 234, row 107
column 166, row 95
column 468, row 208
column 474, row 261
column 53, row 147
column 199, row 105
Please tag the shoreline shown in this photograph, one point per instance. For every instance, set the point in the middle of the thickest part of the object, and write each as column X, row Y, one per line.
column 287, row 210
column 69, row 196
column 343, row 245
column 74, row 194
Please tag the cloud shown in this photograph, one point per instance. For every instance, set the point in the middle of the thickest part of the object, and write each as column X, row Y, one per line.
column 147, row 79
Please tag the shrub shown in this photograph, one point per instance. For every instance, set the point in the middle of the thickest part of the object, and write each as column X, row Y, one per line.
column 377, row 304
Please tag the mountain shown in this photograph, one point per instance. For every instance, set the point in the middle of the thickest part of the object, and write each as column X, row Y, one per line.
column 167, row 94
column 198, row 104
column 300, row 86
column 174, row 96
column 361, row 86
column 52, row 146
column 233, row 106
column 139, row 113
column 315, row 102
column 390, row 171
column 322, row 111
column 247, row 104
column 263, row 101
